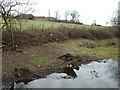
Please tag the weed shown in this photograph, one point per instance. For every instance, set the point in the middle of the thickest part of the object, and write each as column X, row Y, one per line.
column 41, row 59
column 38, row 37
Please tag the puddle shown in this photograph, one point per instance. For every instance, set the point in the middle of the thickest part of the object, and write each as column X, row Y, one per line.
column 102, row 74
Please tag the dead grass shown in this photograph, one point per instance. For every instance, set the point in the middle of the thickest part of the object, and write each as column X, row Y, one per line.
column 38, row 37
column 43, row 57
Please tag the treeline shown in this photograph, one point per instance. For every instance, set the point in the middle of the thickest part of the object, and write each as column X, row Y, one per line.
column 66, row 21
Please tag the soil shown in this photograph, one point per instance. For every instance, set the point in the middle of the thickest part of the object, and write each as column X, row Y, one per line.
column 17, row 66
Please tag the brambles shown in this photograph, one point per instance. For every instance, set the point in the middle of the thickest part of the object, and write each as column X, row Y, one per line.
column 38, row 37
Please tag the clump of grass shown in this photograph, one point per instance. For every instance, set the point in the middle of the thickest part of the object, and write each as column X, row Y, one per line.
column 41, row 59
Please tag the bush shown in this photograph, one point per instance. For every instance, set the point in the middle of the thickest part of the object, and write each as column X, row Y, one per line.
column 38, row 37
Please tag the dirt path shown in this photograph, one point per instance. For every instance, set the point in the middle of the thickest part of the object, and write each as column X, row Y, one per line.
column 42, row 60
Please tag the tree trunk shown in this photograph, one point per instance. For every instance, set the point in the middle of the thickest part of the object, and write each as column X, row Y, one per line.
column 10, row 31
column 12, row 39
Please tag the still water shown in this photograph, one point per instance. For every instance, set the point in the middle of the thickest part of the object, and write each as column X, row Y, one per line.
column 102, row 74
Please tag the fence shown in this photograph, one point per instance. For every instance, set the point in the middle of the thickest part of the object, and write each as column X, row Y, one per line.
column 52, row 25
column 32, row 26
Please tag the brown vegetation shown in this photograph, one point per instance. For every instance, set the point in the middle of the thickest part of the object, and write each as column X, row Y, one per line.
column 38, row 37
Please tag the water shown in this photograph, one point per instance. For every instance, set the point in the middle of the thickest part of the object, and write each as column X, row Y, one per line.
column 101, row 74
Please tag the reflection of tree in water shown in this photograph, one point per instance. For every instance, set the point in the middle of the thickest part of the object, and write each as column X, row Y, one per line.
column 114, row 68
column 70, row 72
column 116, row 74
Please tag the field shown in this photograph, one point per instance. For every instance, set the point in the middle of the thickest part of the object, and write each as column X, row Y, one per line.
column 43, row 25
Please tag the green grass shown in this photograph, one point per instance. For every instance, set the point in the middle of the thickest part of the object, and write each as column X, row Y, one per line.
column 101, row 52
column 0, row 22
column 41, row 59
column 32, row 24
column 100, row 49
column 40, row 24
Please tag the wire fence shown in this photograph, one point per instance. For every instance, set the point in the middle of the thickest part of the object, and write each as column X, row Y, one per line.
column 43, row 27
column 49, row 25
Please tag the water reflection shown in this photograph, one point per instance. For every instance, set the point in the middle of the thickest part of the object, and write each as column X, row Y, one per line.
column 101, row 74
column 70, row 72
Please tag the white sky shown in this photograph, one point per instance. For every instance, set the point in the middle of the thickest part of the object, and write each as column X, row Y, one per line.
column 89, row 10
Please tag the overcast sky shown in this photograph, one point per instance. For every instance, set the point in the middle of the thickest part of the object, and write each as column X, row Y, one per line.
column 89, row 10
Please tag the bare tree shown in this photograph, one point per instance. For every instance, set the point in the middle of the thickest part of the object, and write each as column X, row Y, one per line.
column 9, row 9
column 67, row 13
column 74, row 15
column 57, row 14
column 116, row 18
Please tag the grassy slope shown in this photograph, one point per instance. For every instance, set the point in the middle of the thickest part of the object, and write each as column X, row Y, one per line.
column 47, row 24
column 99, row 49
column 28, row 24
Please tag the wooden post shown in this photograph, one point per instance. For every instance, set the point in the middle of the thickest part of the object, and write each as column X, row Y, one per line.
column 43, row 27
column 20, row 26
column 40, row 27
column 32, row 28
column 74, row 27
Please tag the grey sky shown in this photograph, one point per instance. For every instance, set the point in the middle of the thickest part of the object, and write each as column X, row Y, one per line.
column 89, row 10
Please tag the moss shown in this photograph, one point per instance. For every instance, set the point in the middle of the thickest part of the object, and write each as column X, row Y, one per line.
column 41, row 59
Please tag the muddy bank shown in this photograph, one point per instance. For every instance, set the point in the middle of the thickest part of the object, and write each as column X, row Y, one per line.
column 87, row 71
column 92, row 75
column 63, row 64
column 52, row 57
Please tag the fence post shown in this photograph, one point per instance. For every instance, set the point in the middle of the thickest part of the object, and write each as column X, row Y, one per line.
column 74, row 27
column 40, row 27
column 20, row 26
column 43, row 27
column 32, row 28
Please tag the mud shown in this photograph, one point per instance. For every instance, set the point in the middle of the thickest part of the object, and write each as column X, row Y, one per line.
column 69, row 62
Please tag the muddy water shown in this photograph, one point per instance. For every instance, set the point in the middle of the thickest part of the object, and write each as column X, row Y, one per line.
column 102, row 74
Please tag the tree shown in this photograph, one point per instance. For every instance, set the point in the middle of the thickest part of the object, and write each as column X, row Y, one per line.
column 67, row 13
column 9, row 9
column 116, row 18
column 74, row 15
column 57, row 14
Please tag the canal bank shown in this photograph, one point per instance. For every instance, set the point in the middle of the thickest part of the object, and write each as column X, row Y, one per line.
column 40, row 61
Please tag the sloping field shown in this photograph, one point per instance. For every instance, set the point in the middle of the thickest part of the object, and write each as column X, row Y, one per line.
column 43, row 25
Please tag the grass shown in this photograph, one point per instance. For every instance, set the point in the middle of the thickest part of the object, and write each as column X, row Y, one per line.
column 0, row 20
column 101, row 52
column 100, row 49
column 55, row 25
column 38, row 37
column 28, row 24
column 41, row 59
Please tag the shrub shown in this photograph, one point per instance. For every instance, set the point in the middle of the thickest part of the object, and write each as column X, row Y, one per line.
column 38, row 37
